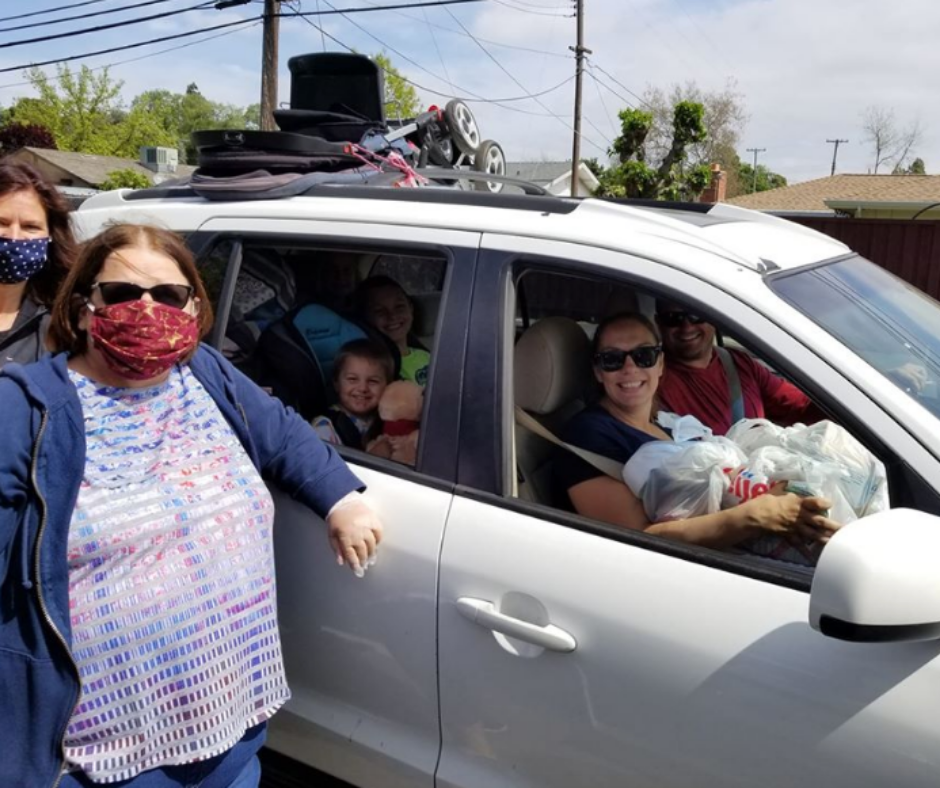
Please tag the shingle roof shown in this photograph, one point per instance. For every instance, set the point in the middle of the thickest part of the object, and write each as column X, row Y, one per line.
column 811, row 195
column 540, row 172
column 95, row 169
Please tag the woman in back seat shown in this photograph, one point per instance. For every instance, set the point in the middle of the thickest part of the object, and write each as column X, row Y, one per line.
column 628, row 364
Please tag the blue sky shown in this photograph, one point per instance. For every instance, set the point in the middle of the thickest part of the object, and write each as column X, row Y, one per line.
column 806, row 68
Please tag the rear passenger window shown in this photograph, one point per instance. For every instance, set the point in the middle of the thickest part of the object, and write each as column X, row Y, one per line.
column 343, row 335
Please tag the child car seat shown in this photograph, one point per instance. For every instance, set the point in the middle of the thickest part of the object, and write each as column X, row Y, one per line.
column 299, row 351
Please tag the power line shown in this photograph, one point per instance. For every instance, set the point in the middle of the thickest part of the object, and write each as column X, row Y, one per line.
column 465, row 92
column 188, row 33
column 529, row 11
column 128, row 46
column 83, row 16
column 614, row 79
column 51, row 10
column 377, row 7
column 143, row 57
column 86, row 30
column 513, row 78
column 484, row 40
column 599, row 81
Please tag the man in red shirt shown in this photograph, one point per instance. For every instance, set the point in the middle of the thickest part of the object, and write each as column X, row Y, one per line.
column 696, row 382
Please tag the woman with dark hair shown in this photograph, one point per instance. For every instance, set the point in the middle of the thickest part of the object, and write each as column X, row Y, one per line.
column 139, row 643
column 628, row 365
column 36, row 250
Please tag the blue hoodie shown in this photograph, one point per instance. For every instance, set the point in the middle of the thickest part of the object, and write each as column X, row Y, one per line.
column 42, row 437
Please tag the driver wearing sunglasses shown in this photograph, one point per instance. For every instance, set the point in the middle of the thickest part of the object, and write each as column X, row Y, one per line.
column 628, row 366
column 695, row 380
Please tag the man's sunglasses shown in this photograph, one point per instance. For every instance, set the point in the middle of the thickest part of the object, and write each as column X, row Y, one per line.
column 121, row 292
column 676, row 319
column 613, row 359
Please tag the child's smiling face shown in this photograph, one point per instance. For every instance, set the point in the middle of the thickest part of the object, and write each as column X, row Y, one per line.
column 390, row 312
column 360, row 385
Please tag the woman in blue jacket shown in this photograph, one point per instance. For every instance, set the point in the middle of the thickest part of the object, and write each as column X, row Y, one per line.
column 138, row 632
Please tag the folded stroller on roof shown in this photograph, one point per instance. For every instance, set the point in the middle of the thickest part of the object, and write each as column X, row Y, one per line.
column 335, row 131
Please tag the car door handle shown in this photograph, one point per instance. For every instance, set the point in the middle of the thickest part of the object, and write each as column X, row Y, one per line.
column 484, row 613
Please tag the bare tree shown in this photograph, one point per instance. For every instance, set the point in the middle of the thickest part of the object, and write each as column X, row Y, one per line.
column 892, row 144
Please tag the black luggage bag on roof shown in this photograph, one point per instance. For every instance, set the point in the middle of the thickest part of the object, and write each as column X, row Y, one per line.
column 225, row 152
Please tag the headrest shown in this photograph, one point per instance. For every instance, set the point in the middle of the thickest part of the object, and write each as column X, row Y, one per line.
column 427, row 307
column 552, row 365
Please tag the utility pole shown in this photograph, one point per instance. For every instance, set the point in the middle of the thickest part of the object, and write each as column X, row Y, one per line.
column 755, row 151
column 835, row 152
column 579, row 52
column 269, row 64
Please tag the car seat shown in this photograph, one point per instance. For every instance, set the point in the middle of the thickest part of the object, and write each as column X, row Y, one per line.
column 298, row 352
column 552, row 380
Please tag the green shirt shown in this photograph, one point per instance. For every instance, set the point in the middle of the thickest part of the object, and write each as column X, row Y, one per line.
column 414, row 365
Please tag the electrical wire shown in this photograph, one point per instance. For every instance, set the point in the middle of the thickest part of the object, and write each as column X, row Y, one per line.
column 437, row 47
column 83, row 16
column 484, row 40
column 600, row 96
column 530, row 11
column 124, row 47
column 613, row 79
column 51, row 10
column 509, row 74
column 84, row 31
column 476, row 97
column 144, row 57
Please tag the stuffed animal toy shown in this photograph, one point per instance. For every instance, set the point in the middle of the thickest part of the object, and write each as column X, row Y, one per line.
column 400, row 412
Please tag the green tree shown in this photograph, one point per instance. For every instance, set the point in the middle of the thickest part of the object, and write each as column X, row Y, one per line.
column 84, row 112
column 766, row 179
column 180, row 114
column 125, row 179
column 401, row 99
column 667, row 177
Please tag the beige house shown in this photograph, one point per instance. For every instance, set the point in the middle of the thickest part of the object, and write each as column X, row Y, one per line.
column 859, row 196
column 85, row 171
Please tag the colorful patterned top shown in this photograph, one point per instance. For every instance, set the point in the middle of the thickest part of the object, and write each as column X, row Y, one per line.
column 171, row 583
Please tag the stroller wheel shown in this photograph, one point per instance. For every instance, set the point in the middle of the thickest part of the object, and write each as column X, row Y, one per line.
column 489, row 158
column 462, row 126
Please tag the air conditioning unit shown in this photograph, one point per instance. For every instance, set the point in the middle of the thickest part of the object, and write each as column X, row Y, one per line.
column 160, row 159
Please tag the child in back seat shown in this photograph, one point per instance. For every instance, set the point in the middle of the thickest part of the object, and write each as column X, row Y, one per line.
column 362, row 370
column 384, row 304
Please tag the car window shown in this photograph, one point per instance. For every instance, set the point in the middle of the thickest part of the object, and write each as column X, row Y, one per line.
column 298, row 324
column 892, row 325
column 555, row 386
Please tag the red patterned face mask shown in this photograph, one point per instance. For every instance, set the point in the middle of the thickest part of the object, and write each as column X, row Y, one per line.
column 140, row 340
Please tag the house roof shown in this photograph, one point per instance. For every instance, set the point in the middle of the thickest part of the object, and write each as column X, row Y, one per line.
column 845, row 190
column 95, row 169
column 544, row 173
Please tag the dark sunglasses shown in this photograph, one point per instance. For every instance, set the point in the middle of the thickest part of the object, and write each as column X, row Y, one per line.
column 676, row 319
column 612, row 360
column 121, row 292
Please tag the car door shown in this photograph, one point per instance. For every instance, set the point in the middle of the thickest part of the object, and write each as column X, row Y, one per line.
column 360, row 654
column 572, row 653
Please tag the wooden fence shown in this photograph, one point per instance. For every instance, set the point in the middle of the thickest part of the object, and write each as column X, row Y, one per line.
column 909, row 249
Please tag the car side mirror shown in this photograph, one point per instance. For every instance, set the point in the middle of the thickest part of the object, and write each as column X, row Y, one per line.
column 878, row 580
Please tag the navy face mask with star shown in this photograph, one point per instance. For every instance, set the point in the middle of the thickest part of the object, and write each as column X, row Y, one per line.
column 21, row 258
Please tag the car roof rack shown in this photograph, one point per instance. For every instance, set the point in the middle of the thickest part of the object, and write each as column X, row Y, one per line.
column 534, row 198
column 474, row 176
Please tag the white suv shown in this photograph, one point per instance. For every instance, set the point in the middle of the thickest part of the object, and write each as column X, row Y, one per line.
column 501, row 641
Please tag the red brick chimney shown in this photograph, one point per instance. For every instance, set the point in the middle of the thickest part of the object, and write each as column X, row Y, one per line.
column 715, row 191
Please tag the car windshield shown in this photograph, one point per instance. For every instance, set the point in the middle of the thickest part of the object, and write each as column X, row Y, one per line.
column 892, row 325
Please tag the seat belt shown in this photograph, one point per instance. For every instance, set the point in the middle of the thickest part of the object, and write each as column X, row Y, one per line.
column 734, row 384
column 604, row 464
